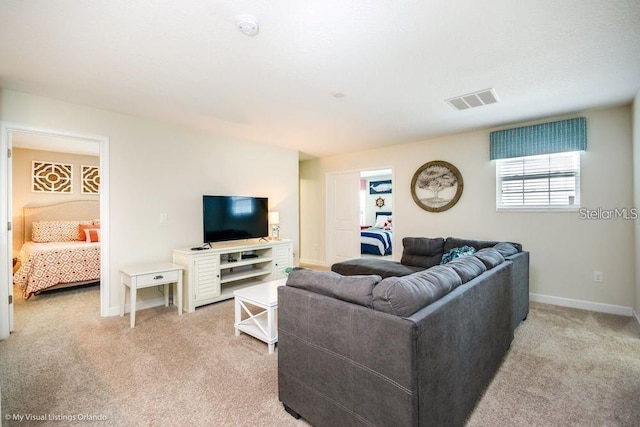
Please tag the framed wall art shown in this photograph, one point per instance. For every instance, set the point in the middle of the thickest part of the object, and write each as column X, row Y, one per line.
column 49, row 177
column 90, row 179
column 380, row 187
column 437, row 186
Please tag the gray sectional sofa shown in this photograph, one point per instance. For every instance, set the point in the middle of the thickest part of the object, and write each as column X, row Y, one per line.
column 413, row 349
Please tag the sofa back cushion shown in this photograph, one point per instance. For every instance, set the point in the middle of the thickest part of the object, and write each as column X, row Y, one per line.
column 422, row 251
column 354, row 289
column 468, row 267
column 489, row 257
column 405, row 295
column 455, row 242
column 506, row 249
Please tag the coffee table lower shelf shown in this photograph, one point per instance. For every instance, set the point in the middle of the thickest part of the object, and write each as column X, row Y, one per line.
column 261, row 325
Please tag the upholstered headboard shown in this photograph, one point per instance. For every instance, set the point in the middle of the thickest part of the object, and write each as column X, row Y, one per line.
column 70, row 210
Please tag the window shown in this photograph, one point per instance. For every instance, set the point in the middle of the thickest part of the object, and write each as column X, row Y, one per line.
column 548, row 181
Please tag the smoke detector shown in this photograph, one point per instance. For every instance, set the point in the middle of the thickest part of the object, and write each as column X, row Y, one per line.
column 247, row 25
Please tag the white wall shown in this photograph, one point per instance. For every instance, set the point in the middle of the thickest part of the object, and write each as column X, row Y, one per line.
column 565, row 250
column 158, row 168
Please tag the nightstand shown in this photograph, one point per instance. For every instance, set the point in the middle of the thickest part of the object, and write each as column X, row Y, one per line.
column 146, row 275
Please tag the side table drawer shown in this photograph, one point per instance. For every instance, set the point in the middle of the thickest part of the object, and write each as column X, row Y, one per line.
column 159, row 278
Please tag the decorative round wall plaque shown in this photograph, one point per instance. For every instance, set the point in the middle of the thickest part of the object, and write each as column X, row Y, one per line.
column 379, row 202
column 437, row 186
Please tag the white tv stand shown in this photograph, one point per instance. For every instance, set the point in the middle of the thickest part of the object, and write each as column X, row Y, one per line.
column 212, row 275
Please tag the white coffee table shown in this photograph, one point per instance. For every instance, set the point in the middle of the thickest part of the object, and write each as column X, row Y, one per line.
column 263, row 324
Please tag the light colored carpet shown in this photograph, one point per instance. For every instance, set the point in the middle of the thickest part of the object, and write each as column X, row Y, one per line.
column 566, row 367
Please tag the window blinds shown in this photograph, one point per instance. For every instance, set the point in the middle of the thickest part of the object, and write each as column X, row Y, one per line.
column 539, row 181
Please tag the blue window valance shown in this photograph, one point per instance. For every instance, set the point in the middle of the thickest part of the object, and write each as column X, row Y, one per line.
column 546, row 138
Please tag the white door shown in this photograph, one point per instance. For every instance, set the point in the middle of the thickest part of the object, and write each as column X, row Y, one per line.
column 343, row 216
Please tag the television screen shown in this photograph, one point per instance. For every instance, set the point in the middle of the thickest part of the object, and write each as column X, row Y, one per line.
column 234, row 218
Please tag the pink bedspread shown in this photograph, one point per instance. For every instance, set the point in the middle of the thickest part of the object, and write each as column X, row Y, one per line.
column 44, row 265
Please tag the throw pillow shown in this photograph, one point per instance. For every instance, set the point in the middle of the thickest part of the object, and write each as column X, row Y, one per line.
column 457, row 253
column 92, row 235
column 82, row 227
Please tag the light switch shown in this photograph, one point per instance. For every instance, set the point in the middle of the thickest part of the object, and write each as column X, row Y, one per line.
column 164, row 217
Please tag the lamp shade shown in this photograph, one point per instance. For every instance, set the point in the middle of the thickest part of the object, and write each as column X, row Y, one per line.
column 274, row 217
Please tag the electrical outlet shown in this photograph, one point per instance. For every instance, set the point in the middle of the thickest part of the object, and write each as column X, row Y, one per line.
column 597, row 276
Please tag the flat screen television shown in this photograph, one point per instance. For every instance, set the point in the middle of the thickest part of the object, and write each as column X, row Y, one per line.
column 234, row 218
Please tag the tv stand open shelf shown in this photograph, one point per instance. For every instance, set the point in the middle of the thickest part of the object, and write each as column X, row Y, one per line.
column 212, row 275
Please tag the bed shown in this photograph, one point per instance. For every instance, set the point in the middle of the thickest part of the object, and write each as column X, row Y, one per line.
column 61, row 246
column 377, row 240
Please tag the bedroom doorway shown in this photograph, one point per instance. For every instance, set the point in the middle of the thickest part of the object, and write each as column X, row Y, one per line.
column 351, row 206
column 49, row 140
column 376, row 213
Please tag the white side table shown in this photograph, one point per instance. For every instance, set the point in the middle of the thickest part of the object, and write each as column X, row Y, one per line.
column 263, row 324
column 145, row 275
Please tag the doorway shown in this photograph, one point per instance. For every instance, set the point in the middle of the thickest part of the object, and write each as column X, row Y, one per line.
column 348, row 209
column 376, row 213
column 15, row 132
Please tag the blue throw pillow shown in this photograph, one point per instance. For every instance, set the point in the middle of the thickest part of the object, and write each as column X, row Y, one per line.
column 457, row 253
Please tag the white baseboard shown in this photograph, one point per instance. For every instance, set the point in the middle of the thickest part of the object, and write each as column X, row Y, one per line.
column 584, row 305
column 635, row 314
column 140, row 305
column 313, row 262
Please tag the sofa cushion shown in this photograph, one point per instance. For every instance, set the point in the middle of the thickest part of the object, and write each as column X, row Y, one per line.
column 381, row 267
column 455, row 242
column 506, row 249
column 467, row 268
column 354, row 289
column 405, row 295
column 489, row 257
column 422, row 251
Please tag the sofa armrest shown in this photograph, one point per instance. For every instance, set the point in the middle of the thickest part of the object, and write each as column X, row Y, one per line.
column 462, row 340
column 520, row 286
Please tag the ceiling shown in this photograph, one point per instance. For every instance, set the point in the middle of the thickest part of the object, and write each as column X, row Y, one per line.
column 396, row 63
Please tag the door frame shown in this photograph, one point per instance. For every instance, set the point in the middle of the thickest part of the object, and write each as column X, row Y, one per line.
column 6, row 215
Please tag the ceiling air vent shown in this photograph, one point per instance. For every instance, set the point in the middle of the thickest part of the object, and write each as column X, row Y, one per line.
column 474, row 99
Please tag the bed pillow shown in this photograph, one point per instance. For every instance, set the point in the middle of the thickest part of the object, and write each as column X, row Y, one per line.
column 89, row 232
column 380, row 221
column 56, row 231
